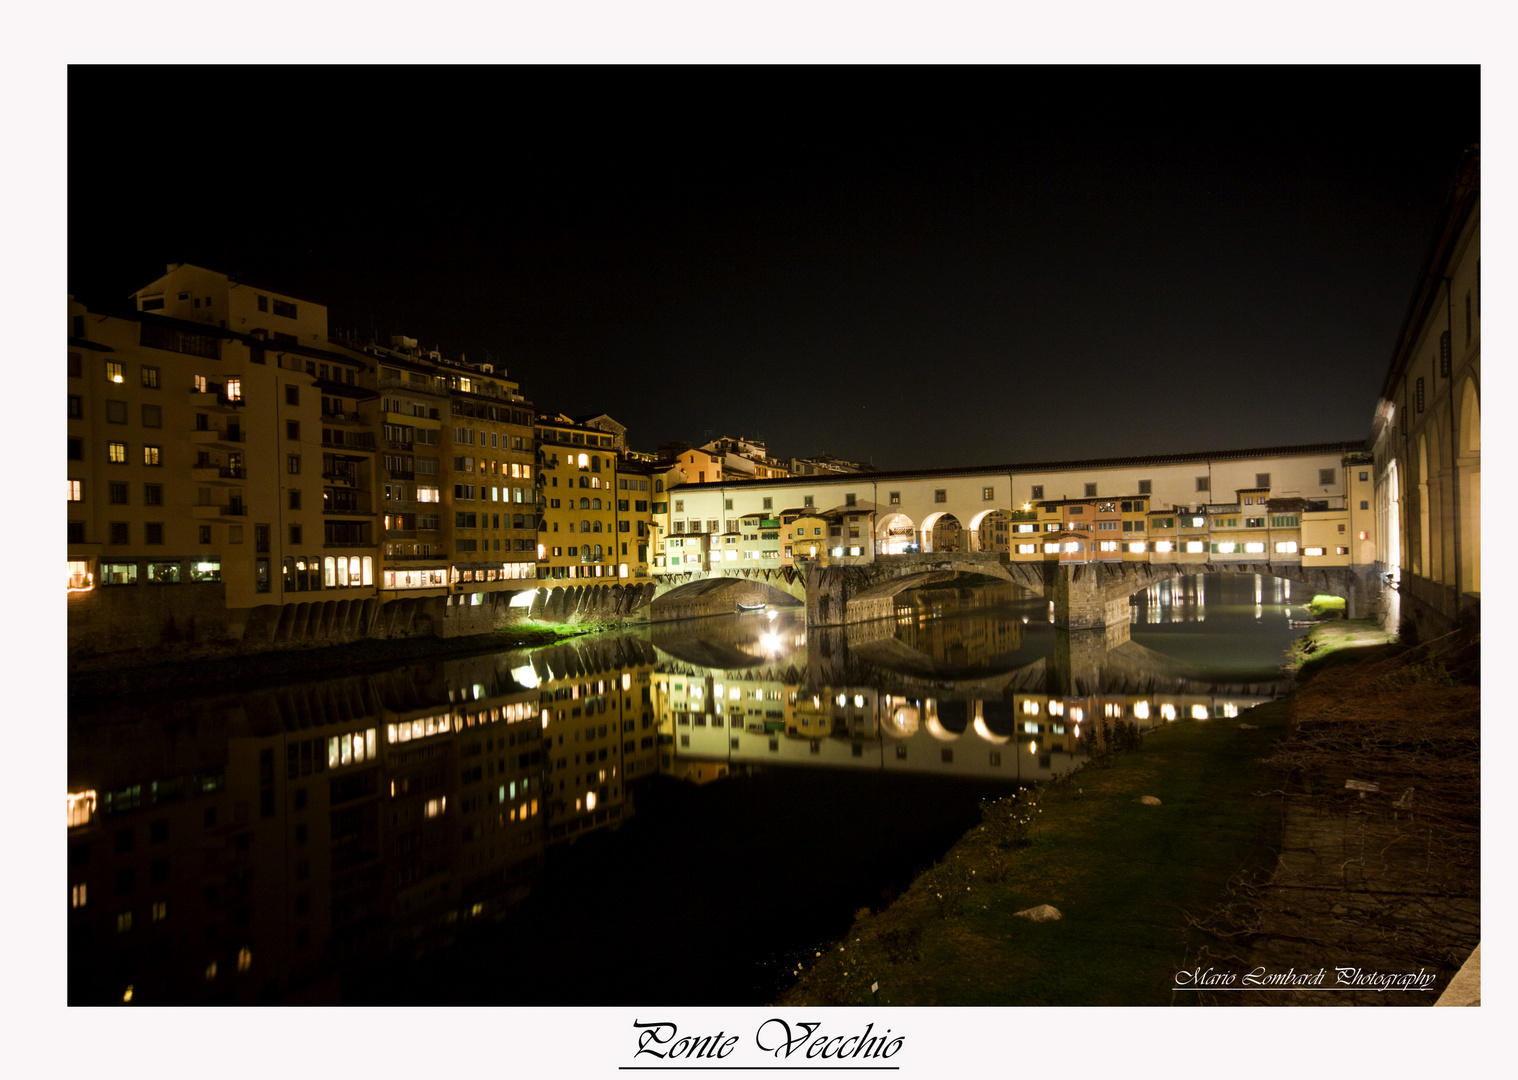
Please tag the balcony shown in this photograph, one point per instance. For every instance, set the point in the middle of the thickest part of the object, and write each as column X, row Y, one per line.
column 341, row 476
column 341, row 417
column 348, row 503
column 400, row 534
column 216, row 511
column 401, row 474
column 349, row 440
column 213, row 436
column 592, row 558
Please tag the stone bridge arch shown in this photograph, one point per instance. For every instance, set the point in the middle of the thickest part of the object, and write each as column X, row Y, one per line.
column 689, row 596
column 1120, row 581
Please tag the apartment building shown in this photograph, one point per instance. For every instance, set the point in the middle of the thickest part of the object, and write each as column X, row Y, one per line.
column 207, row 496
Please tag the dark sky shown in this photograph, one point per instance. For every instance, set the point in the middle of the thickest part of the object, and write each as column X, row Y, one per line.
column 921, row 266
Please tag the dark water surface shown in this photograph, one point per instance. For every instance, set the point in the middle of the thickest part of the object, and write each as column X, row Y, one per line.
column 671, row 815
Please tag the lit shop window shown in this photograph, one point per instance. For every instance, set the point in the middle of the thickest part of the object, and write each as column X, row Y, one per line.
column 1194, row 547
column 80, row 578
column 1051, row 549
column 1286, row 547
column 1163, row 546
column 1227, row 547
column 1136, row 546
column 1109, row 545
column 1026, row 549
column 1255, row 548
column 1312, row 551
column 1072, row 546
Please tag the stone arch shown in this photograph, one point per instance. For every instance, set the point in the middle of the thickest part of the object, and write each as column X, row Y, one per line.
column 982, row 531
column 1468, row 460
column 1423, row 564
column 942, row 531
column 897, row 534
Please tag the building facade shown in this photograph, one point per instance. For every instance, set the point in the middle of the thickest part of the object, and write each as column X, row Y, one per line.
column 1427, row 432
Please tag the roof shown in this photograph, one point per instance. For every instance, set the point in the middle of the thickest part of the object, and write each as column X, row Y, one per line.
column 1356, row 446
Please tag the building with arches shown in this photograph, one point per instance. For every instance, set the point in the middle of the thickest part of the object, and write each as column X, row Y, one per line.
column 1427, row 429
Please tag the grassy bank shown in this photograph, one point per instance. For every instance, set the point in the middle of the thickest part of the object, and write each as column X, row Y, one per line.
column 1338, row 642
column 295, row 665
column 1125, row 876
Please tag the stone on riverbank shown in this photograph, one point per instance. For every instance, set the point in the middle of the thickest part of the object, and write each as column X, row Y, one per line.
column 1042, row 913
column 1147, row 800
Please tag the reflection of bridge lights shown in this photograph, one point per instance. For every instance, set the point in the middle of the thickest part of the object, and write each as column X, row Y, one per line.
column 773, row 614
column 1033, row 747
column 904, row 720
column 986, row 733
column 734, row 694
column 1077, row 731
column 1141, row 710
column 843, row 699
column 545, row 717
column 1077, row 714
column 1167, row 712
column 1030, row 707
column 859, row 701
column 1199, row 712
column 1230, row 710
column 717, row 690
column 525, row 676
column 1056, row 708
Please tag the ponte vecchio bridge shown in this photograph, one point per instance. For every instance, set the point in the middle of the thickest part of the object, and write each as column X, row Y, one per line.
column 1086, row 534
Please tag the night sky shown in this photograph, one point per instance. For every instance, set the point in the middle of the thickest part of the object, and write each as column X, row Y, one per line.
column 916, row 266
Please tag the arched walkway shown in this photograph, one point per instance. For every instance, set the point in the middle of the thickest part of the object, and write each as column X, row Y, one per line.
column 897, row 535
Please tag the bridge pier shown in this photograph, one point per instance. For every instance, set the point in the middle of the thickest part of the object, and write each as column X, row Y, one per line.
column 1081, row 600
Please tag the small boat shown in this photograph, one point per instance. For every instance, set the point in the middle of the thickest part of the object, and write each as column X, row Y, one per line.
column 752, row 607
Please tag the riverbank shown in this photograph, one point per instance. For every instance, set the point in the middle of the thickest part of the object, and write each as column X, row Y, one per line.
column 188, row 678
column 1125, row 877
column 1142, row 890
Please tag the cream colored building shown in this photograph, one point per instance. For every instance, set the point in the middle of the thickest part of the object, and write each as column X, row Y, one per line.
column 1427, row 434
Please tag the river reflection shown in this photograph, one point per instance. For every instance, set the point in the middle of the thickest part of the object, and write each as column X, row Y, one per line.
column 329, row 841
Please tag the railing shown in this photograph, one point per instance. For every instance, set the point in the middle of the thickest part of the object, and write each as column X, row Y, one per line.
column 341, row 478
column 233, row 472
column 400, row 534
column 592, row 558
column 352, row 440
column 345, row 506
column 401, row 474
column 234, row 510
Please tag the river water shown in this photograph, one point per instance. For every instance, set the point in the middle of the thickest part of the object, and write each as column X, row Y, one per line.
column 669, row 815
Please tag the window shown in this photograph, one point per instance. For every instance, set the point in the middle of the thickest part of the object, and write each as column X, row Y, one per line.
column 118, row 493
column 76, row 365
column 1420, row 393
column 120, row 533
column 292, row 464
column 1364, row 476
column 1038, row 491
column 680, row 508
column 113, row 371
column 263, row 303
column 1090, row 491
column 284, row 308
column 807, row 501
column 234, row 389
column 1326, row 476
column 205, row 534
column 294, row 500
column 76, row 491
column 1364, row 504
column 987, row 493
column 727, row 504
column 115, row 451
column 152, row 416
column 769, row 503
column 1203, row 483
column 1145, row 487
column 292, row 395
column 849, row 499
column 115, row 412
column 152, row 455
column 940, row 495
column 1444, row 354
column 76, row 406
column 295, row 535
column 292, row 429
column 152, row 532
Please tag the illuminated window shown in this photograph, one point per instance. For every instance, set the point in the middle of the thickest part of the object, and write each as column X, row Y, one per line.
column 1195, row 546
column 78, row 895
column 234, row 389
column 152, row 455
column 149, row 377
column 1286, row 547
column 160, row 910
column 1199, row 712
column 123, row 922
column 76, row 491
column 1163, row 546
column 244, row 955
column 1255, row 548
column 116, row 452
column 1312, row 551
column 113, row 371
column 1136, row 546
column 1167, row 712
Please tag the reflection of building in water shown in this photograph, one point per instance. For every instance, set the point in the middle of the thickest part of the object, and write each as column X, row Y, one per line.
column 252, row 849
column 1017, row 737
column 598, row 736
column 954, row 642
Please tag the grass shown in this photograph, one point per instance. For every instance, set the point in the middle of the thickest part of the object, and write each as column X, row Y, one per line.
column 1124, row 876
column 1333, row 644
column 1323, row 603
